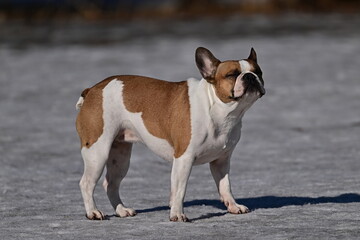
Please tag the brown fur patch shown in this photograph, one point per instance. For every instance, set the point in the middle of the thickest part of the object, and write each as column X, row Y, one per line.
column 165, row 108
column 89, row 122
column 225, row 78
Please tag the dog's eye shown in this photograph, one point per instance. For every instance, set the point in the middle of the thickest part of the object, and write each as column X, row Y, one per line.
column 232, row 75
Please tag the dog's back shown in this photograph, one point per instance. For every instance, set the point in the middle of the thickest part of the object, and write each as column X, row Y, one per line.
column 164, row 108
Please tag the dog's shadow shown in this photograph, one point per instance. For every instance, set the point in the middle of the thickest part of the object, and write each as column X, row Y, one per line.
column 261, row 203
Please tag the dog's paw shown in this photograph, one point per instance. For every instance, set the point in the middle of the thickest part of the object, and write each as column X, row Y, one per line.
column 95, row 215
column 179, row 218
column 122, row 211
column 237, row 209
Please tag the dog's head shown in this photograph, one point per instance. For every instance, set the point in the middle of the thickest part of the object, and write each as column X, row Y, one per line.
column 232, row 80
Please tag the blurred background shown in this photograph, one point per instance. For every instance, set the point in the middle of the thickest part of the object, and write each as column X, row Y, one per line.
column 128, row 9
column 103, row 21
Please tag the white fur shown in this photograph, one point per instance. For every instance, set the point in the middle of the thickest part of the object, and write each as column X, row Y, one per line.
column 79, row 103
column 245, row 66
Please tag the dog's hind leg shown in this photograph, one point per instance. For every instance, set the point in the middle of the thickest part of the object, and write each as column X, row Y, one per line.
column 95, row 159
column 117, row 166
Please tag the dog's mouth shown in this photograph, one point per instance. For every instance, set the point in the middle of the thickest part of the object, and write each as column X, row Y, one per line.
column 249, row 84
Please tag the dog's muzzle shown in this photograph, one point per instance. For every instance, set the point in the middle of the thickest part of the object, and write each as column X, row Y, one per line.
column 253, row 84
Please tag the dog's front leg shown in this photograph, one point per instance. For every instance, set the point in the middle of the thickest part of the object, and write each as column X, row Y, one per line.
column 220, row 171
column 180, row 173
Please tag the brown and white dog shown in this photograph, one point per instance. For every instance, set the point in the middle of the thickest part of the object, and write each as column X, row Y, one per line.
column 187, row 123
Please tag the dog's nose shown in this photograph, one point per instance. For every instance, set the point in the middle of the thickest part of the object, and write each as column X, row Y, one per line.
column 249, row 77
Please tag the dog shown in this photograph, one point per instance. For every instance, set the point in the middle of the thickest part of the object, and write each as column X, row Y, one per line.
column 187, row 123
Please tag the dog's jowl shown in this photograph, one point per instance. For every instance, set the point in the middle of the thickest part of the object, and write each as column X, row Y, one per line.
column 187, row 123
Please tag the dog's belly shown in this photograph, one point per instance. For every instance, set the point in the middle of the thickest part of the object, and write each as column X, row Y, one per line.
column 159, row 146
column 163, row 149
column 207, row 152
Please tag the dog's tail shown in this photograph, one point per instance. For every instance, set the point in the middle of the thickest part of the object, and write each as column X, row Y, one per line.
column 81, row 99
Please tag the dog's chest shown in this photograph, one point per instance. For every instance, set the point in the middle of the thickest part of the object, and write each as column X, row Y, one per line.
column 215, row 141
column 215, row 133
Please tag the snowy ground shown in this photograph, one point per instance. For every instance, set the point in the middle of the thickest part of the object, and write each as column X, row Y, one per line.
column 297, row 165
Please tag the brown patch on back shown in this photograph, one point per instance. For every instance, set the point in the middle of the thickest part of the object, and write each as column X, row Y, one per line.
column 89, row 122
column 164, row 106
column 224, row 82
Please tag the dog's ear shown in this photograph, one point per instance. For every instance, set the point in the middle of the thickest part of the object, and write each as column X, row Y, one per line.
column 207, row 63
column 252, row 55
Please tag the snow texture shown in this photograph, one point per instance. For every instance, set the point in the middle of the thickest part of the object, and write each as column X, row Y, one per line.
column 296, row 167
